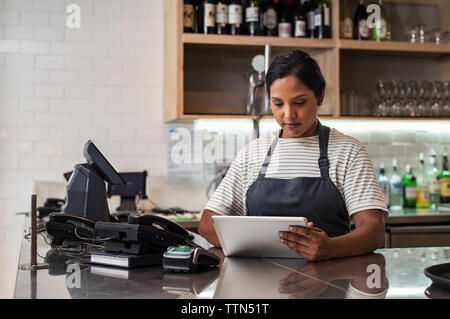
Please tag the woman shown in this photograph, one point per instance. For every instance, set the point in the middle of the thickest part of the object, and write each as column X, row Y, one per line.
column 304, row 169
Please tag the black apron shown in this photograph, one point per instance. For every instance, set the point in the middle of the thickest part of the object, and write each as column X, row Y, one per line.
column 315, row 198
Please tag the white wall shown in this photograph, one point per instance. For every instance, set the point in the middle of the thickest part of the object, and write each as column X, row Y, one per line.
column 60, row 87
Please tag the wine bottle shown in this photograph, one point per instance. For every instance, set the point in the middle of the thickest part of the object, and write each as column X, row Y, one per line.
column 235, row 14
column 198, row 17
column 188, row 16
column 209, row 16
column 379, row 32
column 360, row 28
column 326, row 21
column 222, row 17
column 270, row 18
column 310, row 18
column 318, row 28
column 346, row 22
column 444, row 179
column 299, row 20
column 322, row 20
column 285, row 26
column 252, row 17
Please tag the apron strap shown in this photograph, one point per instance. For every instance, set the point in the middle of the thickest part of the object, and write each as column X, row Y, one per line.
column 324, row 134
column 262, row 171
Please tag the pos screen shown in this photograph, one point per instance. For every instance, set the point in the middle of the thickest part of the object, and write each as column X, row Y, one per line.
column 101, row 164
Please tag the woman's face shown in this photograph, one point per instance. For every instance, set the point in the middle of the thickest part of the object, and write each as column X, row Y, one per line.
column 294, row 106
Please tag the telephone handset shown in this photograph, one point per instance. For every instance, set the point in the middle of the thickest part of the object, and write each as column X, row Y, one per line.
column 64, row 227
column 158, row 222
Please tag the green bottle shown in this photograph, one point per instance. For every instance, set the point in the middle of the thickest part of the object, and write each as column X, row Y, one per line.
column 380, row 29
column 409, row 185
column 444, row 179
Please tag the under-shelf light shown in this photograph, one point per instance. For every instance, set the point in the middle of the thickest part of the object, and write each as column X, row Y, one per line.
column 226, row 125
column 345, row 125
column 368, row 125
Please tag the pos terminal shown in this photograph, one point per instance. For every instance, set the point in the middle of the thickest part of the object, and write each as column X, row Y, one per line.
column 86, row 191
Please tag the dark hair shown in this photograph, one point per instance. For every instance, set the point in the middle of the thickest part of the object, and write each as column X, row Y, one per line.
column 301, row 65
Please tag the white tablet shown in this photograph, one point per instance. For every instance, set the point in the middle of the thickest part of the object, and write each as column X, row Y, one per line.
column 255, row 236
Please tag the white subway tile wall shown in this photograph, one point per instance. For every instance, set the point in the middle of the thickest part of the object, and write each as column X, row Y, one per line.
column 60, row 87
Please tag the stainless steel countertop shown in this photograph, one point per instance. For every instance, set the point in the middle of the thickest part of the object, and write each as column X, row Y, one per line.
column 387, row 273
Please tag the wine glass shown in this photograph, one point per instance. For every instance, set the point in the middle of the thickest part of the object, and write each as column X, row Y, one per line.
column 420, row 107
column 380, row 107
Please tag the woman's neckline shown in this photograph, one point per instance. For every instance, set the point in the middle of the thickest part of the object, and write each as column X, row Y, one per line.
column 277, row 134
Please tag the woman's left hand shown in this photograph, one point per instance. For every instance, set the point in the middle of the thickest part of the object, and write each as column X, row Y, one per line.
column 312, row 243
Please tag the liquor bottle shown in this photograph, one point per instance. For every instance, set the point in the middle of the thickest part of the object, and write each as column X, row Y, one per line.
column 444, row 179
column 209, row 16
column 360, row 28
column 346, row 22
column 222, row 17
column 433, row 181
column 423, row 192
column 270, row 18
column 252, row 17
column 285, row 25
column 188, row 16
column 409, row 186
column 379, row 32
column 396, row 187
column 299, row 20
column 310, row 18
column 235, row 14
column 383, row 180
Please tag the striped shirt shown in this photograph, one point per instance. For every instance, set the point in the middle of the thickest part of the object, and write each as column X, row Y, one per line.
column 350, row 169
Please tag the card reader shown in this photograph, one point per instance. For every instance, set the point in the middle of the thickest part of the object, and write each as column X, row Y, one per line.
column 188, row 259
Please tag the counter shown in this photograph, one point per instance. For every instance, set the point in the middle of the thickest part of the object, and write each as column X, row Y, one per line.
column 418, row 228
column 415, row 216
column 387, row 273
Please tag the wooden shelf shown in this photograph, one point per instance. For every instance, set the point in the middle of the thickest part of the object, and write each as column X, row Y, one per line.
column 395, row 46
column 217, row 116
column 324, row 117
column 393, row 118
column 204, row 73
column 237, row 116
column 245, row 40
column 387, row 46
